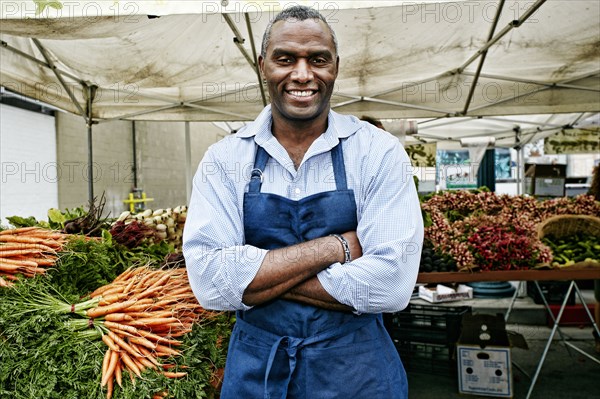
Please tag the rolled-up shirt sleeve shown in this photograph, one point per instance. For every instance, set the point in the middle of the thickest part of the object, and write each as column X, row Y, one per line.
column 219, row 265
column 390, row 230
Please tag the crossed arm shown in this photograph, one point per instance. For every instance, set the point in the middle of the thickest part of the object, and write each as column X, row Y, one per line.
column 290, row 272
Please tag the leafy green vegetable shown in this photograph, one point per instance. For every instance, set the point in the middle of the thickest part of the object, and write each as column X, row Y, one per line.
column 56, row 218
column 18, row 221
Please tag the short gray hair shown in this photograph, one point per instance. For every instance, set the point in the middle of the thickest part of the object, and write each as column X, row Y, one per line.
column 299, row 13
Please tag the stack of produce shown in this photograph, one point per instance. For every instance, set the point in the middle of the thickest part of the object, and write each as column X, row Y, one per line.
column 482, row 230
column 151, row 225
column 432, row 261
column 151, row 326
column 574, row 240
column 27, row 251
column 573, row 249
column 54, row 334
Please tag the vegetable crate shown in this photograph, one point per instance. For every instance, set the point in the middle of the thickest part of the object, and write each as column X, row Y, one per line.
column 425, row 336
column 429, row 324
column 427, row 358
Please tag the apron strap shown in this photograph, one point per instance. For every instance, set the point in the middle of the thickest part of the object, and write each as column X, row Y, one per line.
column 339, row 170
column 294, row 344
column 261, row 158
column 256, row 175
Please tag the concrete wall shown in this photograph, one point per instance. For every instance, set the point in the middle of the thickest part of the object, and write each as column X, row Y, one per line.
column 161, row 160
column 112, row 160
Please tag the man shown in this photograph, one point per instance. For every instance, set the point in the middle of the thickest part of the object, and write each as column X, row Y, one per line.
column 308, row 224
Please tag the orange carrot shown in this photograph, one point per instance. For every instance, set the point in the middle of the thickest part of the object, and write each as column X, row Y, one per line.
column 105, row 362
column 18, row 230
column 166, row 350
column 12, row 268
column 117, row 327
column 107, row 299
column 109, row 389
column 118, row 374
column 130, row 364
column 110, row 343
column 18, row 262
column 116, row 317
column 24, row 239
column 122, row 344
column 149, row 355
column 13, row 246
column 112, row 363
column 145, row 362
column 46, row 262
column 149, row 321
column 102, row 310
column 141, row 341
column 171, row 374
column 116, row 289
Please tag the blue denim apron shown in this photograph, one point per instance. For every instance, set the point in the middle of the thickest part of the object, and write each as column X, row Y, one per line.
column 284, row 349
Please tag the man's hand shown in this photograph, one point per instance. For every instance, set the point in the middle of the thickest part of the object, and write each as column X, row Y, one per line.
column 286, row 268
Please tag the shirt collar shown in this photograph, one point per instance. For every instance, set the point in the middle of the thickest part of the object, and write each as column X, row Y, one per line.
column 339, row 127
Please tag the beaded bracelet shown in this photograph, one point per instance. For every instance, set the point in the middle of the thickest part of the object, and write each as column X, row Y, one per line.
column 347, row 255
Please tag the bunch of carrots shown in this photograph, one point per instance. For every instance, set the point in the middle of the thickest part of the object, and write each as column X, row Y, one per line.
column 27, row 251
column 139, row 316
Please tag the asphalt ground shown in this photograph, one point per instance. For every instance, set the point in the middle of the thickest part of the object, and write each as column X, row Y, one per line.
column 565, row 374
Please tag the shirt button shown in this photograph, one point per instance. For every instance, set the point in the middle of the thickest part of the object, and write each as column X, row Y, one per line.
column 297, row 191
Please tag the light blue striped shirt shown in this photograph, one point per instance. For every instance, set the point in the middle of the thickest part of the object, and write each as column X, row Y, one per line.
column 390, row 227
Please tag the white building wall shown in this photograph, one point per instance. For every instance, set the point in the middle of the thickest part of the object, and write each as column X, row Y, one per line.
column 28, row 159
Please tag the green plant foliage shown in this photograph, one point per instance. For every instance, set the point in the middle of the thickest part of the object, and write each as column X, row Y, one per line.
column 43, row 356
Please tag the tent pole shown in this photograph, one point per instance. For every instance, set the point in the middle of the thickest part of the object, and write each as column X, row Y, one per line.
column 513, row 24
column 482, row 58
column 188, row 163
column 59, row 76
column 90, row 93
column 238, row 39
column 134, row 150
column 520, row 166
column 513, row 98
column 394, row 103
column 535, row 82
column 7, row 46
column 256, row 67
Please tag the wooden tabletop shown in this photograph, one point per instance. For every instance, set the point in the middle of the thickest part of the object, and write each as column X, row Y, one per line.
column 512, row 275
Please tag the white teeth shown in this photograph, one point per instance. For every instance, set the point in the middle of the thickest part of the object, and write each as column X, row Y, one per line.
column 303, row 93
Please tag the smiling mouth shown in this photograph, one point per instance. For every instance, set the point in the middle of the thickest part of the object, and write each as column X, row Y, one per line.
column 302, row 93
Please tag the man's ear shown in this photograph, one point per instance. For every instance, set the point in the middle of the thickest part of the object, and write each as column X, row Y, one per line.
column 337, row 64
column 261, row 64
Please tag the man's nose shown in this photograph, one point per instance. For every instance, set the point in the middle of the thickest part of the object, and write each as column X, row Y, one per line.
column 302, row 71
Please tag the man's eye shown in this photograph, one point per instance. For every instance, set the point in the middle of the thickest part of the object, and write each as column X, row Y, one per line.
column 284, row 60
column 319, row 61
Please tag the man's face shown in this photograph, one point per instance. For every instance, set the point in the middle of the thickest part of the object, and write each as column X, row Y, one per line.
column 300, row 67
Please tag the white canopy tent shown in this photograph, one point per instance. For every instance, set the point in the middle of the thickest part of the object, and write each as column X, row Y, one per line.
column 195, row 60
column 501, row 66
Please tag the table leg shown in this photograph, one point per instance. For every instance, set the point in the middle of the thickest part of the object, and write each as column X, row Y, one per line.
column 512, row 302
column 554, row 328
column 562, row 337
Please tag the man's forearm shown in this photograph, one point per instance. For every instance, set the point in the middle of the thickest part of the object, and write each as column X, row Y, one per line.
column 285, row 268
column 311, row 292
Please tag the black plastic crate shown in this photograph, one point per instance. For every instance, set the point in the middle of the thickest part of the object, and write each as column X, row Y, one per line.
column 426, row 324
column 427, row 358
column 554, row 292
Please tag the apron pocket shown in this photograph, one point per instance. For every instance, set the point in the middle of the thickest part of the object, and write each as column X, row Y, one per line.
column 361, row 370
column 246, row 366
